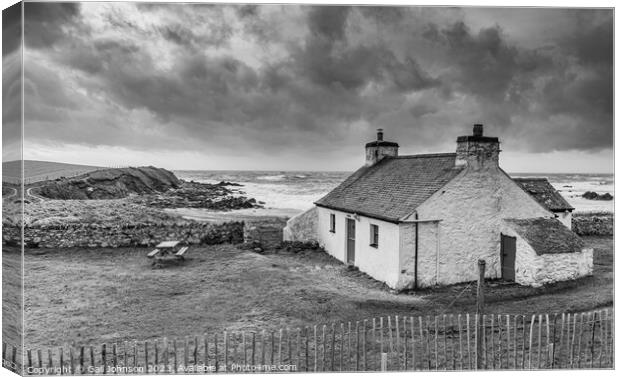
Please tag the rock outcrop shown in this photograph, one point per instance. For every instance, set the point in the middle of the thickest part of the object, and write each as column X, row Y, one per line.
column 197, row 195
column 111, row 184
column 591, row 195
column 147, row 186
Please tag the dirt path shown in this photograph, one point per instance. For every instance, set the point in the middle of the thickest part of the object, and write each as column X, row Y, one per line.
column 34, row 197
column 12, row 194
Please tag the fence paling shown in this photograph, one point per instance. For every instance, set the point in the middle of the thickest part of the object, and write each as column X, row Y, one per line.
column 580, row 340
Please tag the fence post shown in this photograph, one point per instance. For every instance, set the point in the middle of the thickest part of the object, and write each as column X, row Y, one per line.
column 175, row 363
column 103, row 358
column 531, row 338
column 245, row 351
column 29, row 359
column 357, row 346
column 195, row 351
column 592, row 341
column 146, row 357
column 333, row 347
column 383, row 362
column 92, row 357
column 279, row 346
column 307, row 330
column 480, row 311
column 323, row 349
column 298, row 363
column 412, row 343
column 316, row 346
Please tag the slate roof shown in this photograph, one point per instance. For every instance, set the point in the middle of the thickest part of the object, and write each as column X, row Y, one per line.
column 394, row 187
column 541, row 190
column 547, row 236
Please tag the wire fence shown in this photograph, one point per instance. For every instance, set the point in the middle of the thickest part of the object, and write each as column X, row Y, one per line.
column 392, row 343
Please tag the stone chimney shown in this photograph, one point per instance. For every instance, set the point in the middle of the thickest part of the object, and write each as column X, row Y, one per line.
column 376, row 150
column 477, row 151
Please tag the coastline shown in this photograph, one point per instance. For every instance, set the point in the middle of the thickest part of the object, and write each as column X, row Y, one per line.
column 205, row 215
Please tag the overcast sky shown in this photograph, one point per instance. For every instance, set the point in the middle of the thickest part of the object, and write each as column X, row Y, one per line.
column 303, row 88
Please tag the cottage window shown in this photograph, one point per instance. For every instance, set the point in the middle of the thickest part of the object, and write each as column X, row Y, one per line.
column 374, row 235
column 332, row 223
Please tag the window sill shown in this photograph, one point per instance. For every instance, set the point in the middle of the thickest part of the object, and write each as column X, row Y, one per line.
column 332, row 231
column 376, row 246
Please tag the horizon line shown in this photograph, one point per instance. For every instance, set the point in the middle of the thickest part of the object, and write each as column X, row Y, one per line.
column 289, row 170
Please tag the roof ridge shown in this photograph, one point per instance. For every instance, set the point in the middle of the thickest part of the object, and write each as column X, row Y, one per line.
column 425, row 155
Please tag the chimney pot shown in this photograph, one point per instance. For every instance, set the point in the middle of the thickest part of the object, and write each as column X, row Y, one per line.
column 478, row 130
column 380, row 134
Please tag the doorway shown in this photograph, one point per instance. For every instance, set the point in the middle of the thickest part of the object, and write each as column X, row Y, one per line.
column 508, row 254
column 350, row 241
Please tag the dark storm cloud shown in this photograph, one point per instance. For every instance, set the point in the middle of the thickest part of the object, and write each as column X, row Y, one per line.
column 247, row 10
column 11, row 82
column 328, row 60
column 11, row 28
column 44, row 22
column 487, row 65
column 386, row 15
column 539, row 85
column 328, row 22
column 249, row 72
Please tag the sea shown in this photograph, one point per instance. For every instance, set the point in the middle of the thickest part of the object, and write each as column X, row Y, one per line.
column 297, row 190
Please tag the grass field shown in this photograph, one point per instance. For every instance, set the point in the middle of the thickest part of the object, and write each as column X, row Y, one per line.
column 103, row 295
column 43, row 170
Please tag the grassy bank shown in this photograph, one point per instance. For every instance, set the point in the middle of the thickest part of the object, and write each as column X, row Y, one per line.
column 97, row 295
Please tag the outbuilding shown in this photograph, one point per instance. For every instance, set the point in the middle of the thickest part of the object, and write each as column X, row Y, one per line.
column 423, row 220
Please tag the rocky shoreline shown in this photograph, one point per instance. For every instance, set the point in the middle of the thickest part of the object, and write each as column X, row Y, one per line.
column 216, row 197
column 148, row 186
column 133, row 207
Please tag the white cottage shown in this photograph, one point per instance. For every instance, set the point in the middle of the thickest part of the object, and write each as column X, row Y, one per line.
column 422, row 220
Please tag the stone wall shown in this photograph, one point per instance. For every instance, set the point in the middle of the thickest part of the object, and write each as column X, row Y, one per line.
column 145, row 234
column 303, row 227
column 264, row 232
column 593, row 224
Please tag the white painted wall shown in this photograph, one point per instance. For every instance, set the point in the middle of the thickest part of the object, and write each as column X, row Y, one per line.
column 302, row 227
column 516, row 203
column 470, row 208
column 382, row 263
column 535, row 270
column 566, row 218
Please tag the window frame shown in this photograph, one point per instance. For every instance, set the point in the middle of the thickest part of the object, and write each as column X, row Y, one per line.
column 332, row 223
column 374, row 233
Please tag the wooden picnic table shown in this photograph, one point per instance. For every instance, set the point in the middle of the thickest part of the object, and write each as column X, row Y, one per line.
column 167, row 249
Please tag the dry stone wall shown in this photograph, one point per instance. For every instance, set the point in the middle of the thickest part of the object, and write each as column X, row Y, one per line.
column 142, row 234
column 264, row 232
column 593, row 224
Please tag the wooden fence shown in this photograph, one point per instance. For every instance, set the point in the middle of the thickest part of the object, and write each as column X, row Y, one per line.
column 447, row 342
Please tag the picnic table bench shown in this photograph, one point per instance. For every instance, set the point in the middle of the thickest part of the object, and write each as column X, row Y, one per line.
column 167, row 250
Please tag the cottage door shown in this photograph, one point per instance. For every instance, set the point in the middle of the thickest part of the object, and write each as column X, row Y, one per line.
column 350, row 241
column 508, row 253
